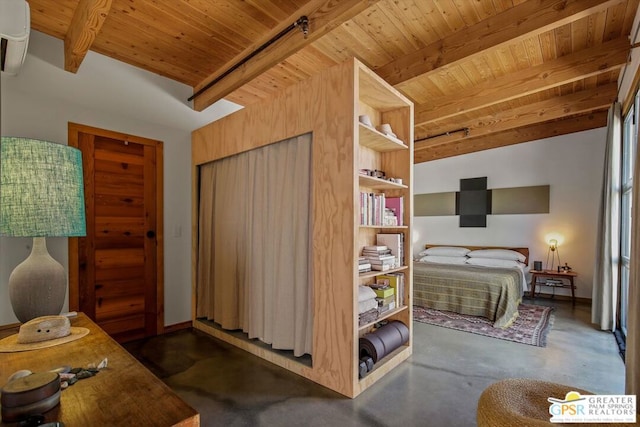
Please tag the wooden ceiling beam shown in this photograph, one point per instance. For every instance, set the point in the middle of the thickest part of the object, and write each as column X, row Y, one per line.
column 85, row 25
column 513, row 136
column 586, row 63
column 324, row 16
column 525, row 20
column 563, row 106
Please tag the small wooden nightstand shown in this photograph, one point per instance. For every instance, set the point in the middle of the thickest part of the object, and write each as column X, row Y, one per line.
column 569, row 275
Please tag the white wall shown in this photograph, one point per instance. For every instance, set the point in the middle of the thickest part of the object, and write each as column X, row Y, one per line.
column 572, row 165
column 43, row 98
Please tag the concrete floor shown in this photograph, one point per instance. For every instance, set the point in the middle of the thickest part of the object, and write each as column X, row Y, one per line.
column 438, row 386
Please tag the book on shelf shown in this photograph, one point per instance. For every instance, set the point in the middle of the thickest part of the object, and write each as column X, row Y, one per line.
column 389, row 262
column 372, row 207
column 375, row 248
column 396, row 281
column 389, row 218
column 395, row 243
column 363, row 265
column 386, row 301
column 368, row 316
column 378, row 209
column 382, row 254
column 364, row 268
column 373, row 314
column 382, row 259
column 379, row 257
column 396, row 204
column 386, row 307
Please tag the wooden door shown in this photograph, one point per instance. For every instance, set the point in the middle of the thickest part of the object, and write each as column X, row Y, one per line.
column 116, row 270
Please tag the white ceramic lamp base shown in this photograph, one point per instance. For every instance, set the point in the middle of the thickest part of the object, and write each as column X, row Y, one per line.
column 38, row 285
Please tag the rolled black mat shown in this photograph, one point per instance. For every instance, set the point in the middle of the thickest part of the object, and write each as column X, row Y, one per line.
column 384, row 340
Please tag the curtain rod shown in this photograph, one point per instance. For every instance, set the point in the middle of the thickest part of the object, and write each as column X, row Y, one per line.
column 302, row 22
column 465, row 130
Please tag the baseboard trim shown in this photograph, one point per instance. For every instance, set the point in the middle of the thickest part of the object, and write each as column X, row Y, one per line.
column 177, row 327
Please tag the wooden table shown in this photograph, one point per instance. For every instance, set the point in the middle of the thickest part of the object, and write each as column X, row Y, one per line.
column 123, row 394
column 569, row 275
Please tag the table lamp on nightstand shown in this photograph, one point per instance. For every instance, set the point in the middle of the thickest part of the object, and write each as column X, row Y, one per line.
column 554, row 252
column 41, row 195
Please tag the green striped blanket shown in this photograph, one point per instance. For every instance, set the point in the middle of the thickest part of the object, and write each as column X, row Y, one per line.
column 494, row 293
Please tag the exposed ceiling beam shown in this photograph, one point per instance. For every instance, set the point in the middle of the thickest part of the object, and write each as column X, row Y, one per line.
column 526, row 20
column 513, row 136
column 586, row 63
column 324, row 16
column 85, row 25
column 576, row 103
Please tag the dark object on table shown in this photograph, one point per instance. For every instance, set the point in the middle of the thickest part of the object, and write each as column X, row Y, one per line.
column 39, row 420
column 31, row 395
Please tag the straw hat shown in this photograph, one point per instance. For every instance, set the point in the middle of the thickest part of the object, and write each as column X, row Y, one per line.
column 523, row 402
column 42, row 332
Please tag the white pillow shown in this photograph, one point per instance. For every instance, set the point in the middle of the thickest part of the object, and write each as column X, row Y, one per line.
column 493, row 262
column 445, row 251
column 497, row 254
column 444, row 259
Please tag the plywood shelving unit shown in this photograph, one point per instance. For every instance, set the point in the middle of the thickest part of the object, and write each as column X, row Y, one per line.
column 328, row 105
column 375, row 150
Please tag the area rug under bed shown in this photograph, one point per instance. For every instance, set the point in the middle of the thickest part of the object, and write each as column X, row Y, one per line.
column 531, row 327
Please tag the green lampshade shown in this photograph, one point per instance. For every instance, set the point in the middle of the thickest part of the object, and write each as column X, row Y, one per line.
column 41, row 189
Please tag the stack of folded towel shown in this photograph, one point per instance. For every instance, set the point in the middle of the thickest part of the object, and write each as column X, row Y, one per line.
column 367, row 305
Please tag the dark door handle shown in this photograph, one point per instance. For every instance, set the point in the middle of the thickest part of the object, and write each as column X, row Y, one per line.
column 151, row 234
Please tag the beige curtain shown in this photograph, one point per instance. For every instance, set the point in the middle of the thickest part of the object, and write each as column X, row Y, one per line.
column 632, row 355
column 254, row 244
column 605, row 276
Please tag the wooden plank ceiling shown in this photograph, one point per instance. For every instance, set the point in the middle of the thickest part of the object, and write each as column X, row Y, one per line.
column 482, row 73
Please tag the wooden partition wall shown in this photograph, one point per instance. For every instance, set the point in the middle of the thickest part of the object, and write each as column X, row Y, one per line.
column 324, row 105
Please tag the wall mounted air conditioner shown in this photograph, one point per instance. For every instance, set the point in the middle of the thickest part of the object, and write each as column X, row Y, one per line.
column 14, row 34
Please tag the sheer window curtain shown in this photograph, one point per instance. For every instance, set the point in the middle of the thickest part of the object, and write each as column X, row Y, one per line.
column 605, row 277
column 254, row 244
column 632, row 355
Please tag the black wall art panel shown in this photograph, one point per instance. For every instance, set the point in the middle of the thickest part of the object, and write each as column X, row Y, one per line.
column 473, row 202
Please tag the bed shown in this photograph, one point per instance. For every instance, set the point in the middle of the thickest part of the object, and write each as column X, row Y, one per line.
column 493, row 291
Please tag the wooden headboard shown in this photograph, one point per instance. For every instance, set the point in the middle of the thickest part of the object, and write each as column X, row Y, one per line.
column 523, row 251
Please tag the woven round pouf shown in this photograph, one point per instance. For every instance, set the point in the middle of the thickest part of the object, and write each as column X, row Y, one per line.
column 522, row 402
